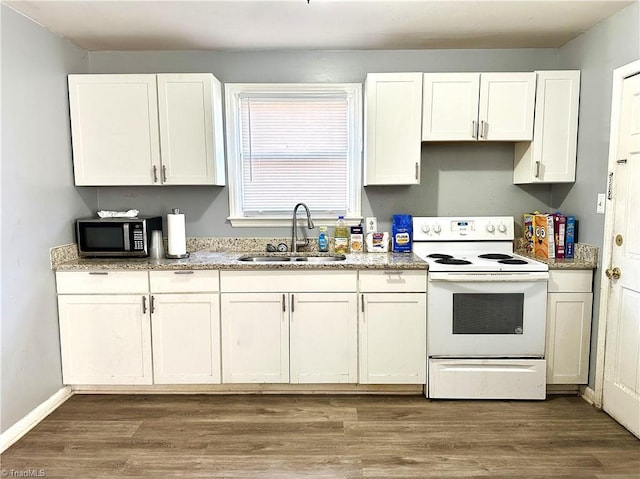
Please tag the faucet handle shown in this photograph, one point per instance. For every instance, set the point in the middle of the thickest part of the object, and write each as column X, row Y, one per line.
column 282, row 247
column 271, row 248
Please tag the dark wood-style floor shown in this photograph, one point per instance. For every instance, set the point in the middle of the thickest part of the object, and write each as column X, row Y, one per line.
column 307, row 436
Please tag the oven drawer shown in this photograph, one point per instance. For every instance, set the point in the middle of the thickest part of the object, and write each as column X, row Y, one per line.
column 487, row 378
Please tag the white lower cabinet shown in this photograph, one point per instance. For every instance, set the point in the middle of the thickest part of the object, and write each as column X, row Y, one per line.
column 255, row 332
column 105, row 339
column 298, row 327
column 186, row 338
column 569, row 303
column 324, row 338
column 393, row 338
column 393, row 327
column 185, row 320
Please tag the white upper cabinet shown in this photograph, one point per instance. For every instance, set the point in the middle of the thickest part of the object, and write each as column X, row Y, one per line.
column 551, row 156
column 146, row 129
column 191, row 138
column 478, row 106
column 450, row 111
column 392, row 112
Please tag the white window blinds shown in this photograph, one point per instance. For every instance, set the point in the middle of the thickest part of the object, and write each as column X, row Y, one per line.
column 296, row 145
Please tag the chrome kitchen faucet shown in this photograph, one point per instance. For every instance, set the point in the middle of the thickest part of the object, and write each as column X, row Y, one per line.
column 295, row 244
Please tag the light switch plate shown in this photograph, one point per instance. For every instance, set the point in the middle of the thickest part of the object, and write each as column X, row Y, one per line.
column 371, row 224
column 600, row 204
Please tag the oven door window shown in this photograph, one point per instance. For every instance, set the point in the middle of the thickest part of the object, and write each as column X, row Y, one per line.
column 488, row 313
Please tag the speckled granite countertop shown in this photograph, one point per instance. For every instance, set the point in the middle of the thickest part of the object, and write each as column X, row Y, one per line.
column 223, row 253
column 65, row 258
column 586, row 257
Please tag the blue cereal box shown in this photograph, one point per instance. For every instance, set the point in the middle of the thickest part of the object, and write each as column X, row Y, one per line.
column 570, row 237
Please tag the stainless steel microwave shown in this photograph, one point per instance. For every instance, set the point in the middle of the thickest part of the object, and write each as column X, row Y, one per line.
column 116, row 237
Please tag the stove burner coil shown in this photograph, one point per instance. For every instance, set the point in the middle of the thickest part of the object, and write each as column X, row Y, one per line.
column 452, row 261
column 512, row 261
column 495, row 256
column 440, row 256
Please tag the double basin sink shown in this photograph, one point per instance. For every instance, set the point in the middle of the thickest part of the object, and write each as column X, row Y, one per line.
column 287, row 258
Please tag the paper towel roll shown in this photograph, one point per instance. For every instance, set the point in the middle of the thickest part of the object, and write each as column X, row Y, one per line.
column 177, row 241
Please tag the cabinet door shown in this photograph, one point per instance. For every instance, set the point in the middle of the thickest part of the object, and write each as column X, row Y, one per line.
column 568, row 337
column 105, row 339
column 255, row 338
column 190, row 117
column 114, row 127
column 324, row 343
column 393, row 111
column 450, row 110
column 506, row 106
column 551, row 156
column 393, row 339
column 186, row 338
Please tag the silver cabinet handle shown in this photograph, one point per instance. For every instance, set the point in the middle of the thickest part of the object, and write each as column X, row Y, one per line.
column 153, row 304
column 98, row 273
column 395, row 273
column 483, row 129
column 284, row 304
column 474, row 129
column 417, row 170
column 362, row 301
column 164, row 173
column 144, row 305
column 183, row 272
column 293, row 302
column 155, row 174
column 537, row 169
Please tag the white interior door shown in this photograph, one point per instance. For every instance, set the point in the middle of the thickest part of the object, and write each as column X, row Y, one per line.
column 621, row 389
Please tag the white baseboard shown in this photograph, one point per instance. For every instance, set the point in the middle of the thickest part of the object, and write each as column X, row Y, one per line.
column 589, row 395
column 24, row 425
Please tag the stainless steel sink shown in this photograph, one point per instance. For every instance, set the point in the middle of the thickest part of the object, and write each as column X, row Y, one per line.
column 291, row 258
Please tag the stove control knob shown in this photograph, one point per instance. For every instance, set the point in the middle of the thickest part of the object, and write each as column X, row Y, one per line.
column 437, row 229
column 502, row 228
column 491, row 228
column 425, row 228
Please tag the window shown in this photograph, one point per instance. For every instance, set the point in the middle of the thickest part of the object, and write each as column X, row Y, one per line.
column 291, row 143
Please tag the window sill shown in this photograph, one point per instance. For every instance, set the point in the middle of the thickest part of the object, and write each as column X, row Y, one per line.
column 276, row 222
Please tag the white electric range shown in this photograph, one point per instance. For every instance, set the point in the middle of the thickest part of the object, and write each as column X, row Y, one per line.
column 486, row 310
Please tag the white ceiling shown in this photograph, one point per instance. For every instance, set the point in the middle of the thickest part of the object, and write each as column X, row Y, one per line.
column 320, row 24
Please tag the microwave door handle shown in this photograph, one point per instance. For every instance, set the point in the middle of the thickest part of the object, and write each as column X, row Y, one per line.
column 127, row 239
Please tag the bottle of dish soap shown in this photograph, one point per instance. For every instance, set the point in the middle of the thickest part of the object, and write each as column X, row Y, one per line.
column 341, row 236
column 323, row 240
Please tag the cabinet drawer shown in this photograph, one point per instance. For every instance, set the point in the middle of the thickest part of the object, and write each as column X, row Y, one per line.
column 184, row 281
column 290, row 281
column 570, row 281
column 393, row 281
column 99, row 282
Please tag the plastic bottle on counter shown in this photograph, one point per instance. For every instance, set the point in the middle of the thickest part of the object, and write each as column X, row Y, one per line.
column 341, row 236
column 323, row 240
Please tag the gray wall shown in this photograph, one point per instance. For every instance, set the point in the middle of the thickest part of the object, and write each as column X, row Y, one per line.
column 38, row 204
column 597, row 53
column 457, row 179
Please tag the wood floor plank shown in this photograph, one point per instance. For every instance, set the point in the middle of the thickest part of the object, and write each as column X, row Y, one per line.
column 324, row 436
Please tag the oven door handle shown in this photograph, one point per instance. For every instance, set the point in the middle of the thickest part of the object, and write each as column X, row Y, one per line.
column 528, row 277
